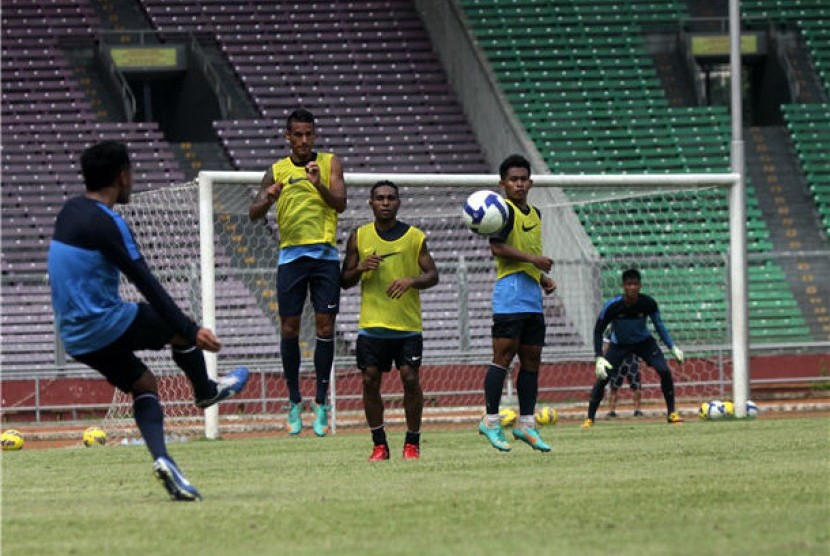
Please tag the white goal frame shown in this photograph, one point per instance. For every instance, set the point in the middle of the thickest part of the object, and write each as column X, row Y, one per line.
column 737, row 246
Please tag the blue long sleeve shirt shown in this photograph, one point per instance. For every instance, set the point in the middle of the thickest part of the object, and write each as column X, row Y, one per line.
column 91, row 244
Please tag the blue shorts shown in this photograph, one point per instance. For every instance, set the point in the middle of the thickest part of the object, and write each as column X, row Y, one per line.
column 381, row 352
column 117, row 361
column 529, row 328
column 297, row 278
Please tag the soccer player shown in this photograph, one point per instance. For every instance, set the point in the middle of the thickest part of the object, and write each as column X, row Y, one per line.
column 90, row 246
column 629, row 370
column 391, row 261
column 627, row 314
column 308, row 190
column 518, row 317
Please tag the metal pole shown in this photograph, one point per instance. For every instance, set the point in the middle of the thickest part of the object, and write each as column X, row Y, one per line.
column 737, row 224
column 206, row 258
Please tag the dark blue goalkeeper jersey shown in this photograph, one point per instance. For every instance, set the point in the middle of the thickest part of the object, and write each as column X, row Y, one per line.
column 628, row 322
column 89, row 247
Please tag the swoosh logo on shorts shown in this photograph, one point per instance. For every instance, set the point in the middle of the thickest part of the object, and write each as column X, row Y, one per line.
column 526, row 229
column 416, row 358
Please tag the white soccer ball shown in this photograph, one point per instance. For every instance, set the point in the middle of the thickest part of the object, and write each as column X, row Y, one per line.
column 751, row 409
column 485, row 212
column 94, row 436
column 712, row 410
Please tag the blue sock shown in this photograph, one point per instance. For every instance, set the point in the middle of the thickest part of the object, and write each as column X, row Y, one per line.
column 323, row 357
column 527, row 389
column 149, row 416
column 493, row 385
column 290, row 354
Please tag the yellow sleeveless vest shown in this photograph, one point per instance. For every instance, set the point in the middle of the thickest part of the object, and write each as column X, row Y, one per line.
column 526, row 235
column 303, row 217
column 400, row 259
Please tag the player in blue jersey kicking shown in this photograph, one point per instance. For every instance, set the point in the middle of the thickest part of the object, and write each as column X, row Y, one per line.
column 91, row 246
column 627, row 315
column 518, row 314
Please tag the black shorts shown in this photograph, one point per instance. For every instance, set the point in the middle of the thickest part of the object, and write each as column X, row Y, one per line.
column 381, row 352
column 529, row 328
column 628, row 369
column 295, row 279
column 117, row 361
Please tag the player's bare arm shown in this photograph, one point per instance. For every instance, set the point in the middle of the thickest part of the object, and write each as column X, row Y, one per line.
column 353, row 267
column 509, row 252
column 268, row 194
column 335, row 194
column 427, row 278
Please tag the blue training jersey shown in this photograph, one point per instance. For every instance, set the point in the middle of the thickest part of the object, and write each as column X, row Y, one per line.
column 91, row 244
column 628, row 322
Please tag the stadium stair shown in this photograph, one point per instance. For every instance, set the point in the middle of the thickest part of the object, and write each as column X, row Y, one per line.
column 584, row 85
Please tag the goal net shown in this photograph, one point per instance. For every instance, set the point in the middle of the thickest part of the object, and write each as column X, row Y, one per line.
column 674, row 229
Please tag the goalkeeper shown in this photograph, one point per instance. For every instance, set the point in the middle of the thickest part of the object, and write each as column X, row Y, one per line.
column 626, row 314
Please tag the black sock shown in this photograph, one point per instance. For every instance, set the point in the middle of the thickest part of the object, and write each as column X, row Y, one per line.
column 323, row 357
column 493, row 385
column 527, row 389
column 667, row 386
column 379, row 436
column 149, row 416
column 191, row 360
column 597, row 393
column 413, row 438
column 290, row 354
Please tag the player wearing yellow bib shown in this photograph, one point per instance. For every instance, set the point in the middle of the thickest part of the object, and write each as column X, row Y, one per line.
column 308, row 189
column 391, row 261
column 518, row 314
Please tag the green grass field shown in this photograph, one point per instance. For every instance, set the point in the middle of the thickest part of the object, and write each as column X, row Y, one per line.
column 752, row 487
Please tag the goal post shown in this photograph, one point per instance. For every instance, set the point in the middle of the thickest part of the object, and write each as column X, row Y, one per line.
column 681, row 231
column 548, row 189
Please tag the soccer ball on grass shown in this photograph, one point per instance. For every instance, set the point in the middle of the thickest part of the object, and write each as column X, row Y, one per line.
column 485, row 212
column 712, row 410
column 546, row 416
column 508, row 418
column 12, row 440
column 94, row 436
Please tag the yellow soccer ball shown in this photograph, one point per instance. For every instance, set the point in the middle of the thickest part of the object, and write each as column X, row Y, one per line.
column 12, row 440
column 546, row 416
column 508, row 418
column 729, row 407
column 94, row 436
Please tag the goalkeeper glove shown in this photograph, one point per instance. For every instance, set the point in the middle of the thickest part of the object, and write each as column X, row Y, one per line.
column 678, row 354
column 602, row 367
